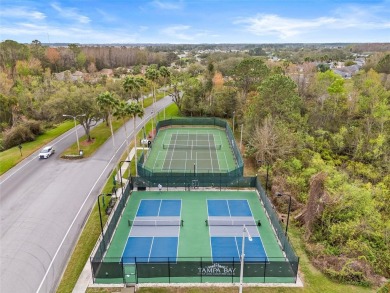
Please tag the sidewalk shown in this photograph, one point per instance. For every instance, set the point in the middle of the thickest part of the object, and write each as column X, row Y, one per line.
column 85, row 278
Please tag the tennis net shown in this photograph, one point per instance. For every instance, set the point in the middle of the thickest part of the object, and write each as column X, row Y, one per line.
column 156, row 222
column 192, row 147
column 217, row 222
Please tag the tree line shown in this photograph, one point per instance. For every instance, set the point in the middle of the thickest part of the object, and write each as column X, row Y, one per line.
column 325, row 142
column 323, row 139
column 75, row 57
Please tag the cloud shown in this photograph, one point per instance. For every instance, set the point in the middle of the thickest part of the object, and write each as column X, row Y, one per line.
column 21, row 12
column 352, row 17
column 270, row 24
column 184, row 33
column 167, row 5
column 178, row 32
column 57, row 34
column 106, row 16
column 70, row 13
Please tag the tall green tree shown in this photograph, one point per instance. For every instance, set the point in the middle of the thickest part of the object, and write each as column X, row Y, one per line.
column 10, row 53
column 122, row 111
column 153, row 75
column 248, row 75
column 136, row 110
column 108, row 103
column 383, row 65
column 277, row 97
column 133, row 85
column 77, row 101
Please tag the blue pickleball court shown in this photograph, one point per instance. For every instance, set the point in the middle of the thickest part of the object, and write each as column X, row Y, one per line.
column 229, row 249
column 228, row 208
column 150, row 249
column 156, row 239
column 159, row 208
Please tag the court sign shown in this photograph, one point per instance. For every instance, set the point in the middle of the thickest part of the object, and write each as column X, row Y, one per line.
column 216, row 270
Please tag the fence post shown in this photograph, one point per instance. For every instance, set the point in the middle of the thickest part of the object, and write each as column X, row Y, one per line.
column 136, row 270
column 169, row 271
column 265, row 268
column 233, row 271
column 201, row 269
column 123, row 272
column 93, row 273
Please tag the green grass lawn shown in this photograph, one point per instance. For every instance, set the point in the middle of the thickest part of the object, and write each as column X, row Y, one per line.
column 101, row 133
column 11, row 157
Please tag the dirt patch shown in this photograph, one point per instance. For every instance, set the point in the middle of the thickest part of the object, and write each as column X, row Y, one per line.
column 87, row 142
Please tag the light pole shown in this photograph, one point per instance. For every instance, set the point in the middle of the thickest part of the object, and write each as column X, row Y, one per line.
column 152, row 122
column 289, row 208
column 244, row 230
column 77, row 136
column 120, row 172
column 242, row 125
column 234, row 112
column 100, row 216
column 267, row 168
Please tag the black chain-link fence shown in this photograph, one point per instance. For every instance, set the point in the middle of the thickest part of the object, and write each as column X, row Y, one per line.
column 200, row 269
column 191, row 181
column 224, row 176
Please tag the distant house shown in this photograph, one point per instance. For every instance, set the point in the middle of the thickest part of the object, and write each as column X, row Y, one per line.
column 77, row 75
column 107, row 72
column 67, row 75
column 347, row 71
column 342, row 73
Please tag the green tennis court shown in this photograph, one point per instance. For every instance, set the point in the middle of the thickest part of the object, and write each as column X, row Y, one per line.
column 194, row 251
column 191, row 149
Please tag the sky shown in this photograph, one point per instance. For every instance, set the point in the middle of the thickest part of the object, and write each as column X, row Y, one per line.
column 195, row 21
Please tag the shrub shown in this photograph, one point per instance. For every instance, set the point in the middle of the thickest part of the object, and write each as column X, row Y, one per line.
column 17, row 135
column 34, row 126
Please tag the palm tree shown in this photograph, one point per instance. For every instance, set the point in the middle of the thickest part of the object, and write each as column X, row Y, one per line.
column 153, row 74
column 136, row 110
column 142, row 83
column 165, row 76
column 108, row 103
column 122, row 111
column 134, row 85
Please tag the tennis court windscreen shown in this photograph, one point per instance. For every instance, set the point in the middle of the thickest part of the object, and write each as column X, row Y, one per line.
column 156, row 223
column 225, row 222
column 192, row 147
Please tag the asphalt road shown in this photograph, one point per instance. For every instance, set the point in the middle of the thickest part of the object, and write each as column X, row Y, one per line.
column 44, row 205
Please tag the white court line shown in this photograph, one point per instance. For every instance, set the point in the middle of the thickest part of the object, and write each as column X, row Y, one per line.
column 206, row 160
column 238, row 249
column 154, row 165
column 211, row 156
column 150, row 250
column 165, row 134
column 227, row 203
column 261, row 241
column 128, row 235
column 208, row 218
column 159, row 208
column 226, row 163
